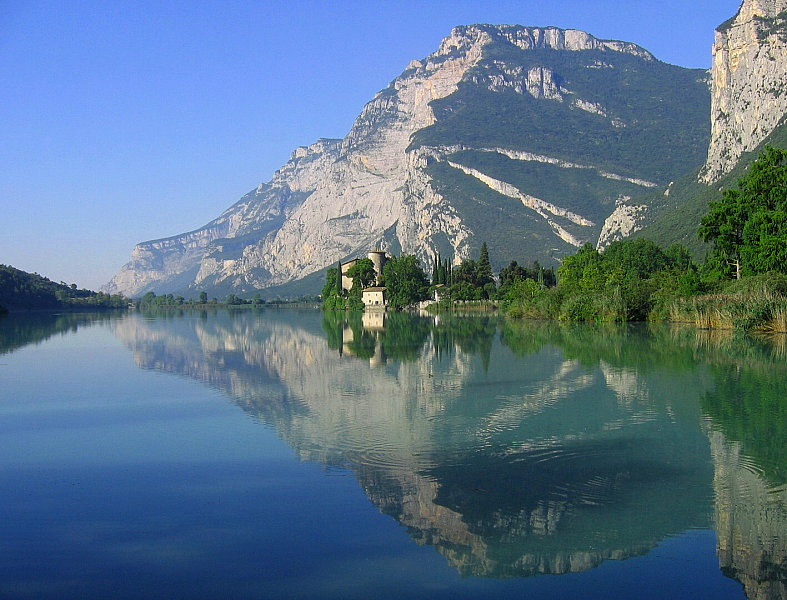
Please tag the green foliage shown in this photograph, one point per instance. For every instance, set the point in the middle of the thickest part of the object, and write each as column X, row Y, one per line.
column 22, row 290
column 484, row 268
column 467, row 272
column 757, row 303
column 626, row 282
column 465, row 291
column 577, row 270
column 332, row 284
column 405, row 281
column 514, row 272
column 334, row 297
column 640, row 258
column 473, row 280
column 442, row 271
column 151, row 301
column 525, row 298
column 748, row 226
column 362, row 274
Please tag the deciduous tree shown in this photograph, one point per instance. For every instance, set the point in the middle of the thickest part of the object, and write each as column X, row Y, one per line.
column 748, row 227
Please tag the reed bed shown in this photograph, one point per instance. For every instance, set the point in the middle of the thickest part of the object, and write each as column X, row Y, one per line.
column 758, row 304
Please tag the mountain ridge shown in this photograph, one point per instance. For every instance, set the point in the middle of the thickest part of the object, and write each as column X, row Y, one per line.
column 401, row 180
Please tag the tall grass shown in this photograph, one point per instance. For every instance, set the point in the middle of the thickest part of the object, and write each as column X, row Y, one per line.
column 752, row 304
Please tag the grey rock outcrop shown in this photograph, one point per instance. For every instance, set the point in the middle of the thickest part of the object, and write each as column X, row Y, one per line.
column 749, row 83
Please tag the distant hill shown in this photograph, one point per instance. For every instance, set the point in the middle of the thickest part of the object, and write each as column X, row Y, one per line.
column 20, row 290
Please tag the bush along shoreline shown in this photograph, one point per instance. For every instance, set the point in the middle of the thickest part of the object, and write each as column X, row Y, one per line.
column 741, row 285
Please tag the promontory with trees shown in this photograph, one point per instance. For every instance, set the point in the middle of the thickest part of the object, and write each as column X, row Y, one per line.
column 20, row 290
column 741, row 284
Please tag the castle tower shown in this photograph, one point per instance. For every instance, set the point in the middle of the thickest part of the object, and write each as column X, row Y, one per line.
column 379, row 259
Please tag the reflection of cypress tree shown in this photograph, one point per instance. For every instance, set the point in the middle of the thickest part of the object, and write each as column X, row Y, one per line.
column 751, row 409
column 333, row 325
column 443, row 342
column 486, row 351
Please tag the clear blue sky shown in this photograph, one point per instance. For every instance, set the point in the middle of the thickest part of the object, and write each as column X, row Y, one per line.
column 123, row 121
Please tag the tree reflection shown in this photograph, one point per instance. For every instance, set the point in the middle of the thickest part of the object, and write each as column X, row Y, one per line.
column 20, row 329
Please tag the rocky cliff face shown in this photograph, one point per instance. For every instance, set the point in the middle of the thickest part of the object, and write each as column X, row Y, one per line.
column 400, row 180
column 749, row 75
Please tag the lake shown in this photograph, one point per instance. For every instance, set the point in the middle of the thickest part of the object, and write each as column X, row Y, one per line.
column 290, row 454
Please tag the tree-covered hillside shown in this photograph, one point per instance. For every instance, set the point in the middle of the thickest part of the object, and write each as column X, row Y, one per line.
column 676, row 216
column 23, row 291
column 640, row 105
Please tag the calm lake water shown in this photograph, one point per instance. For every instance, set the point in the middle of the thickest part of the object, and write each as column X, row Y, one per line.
column 288, row 454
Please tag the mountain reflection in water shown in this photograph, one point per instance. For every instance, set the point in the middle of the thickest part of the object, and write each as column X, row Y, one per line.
column 514, row 449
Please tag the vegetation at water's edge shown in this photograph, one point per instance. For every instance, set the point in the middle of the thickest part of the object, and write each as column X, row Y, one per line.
column 20, row 290
column 741, row 285
column 403, row 277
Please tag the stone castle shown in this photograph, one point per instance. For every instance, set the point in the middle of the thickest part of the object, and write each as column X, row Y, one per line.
column 372, row 296
column 378, row 258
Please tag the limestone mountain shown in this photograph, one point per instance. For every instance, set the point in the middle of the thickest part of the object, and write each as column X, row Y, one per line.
column 527, row 138
column 749, row 95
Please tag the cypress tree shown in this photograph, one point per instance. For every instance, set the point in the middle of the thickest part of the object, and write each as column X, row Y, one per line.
column 484, row 269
